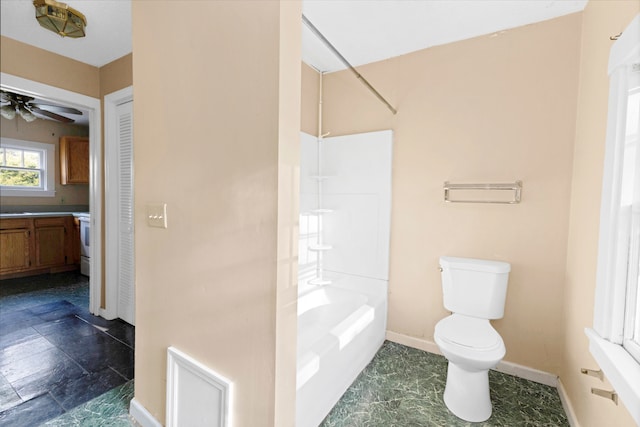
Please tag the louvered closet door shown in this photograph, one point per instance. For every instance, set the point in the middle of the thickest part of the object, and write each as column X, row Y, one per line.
column 126, row 284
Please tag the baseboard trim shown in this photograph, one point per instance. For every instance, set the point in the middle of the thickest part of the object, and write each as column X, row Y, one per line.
column 510, row 368
column 413, row 342
column 566, row 405
column 527, row 373
column 141, row 416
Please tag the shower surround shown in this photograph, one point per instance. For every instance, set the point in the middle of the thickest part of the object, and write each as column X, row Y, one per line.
column 345, row 216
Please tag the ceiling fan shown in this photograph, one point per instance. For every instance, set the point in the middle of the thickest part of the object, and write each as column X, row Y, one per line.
column 29, row 110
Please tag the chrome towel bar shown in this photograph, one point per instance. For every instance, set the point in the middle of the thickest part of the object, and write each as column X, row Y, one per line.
column 470, row 193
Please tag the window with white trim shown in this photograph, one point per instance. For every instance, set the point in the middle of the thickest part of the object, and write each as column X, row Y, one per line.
column 630, row 212
column 614, row 340
column 27, row 169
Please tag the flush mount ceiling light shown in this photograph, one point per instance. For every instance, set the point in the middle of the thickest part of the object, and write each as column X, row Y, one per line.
column 60, row 18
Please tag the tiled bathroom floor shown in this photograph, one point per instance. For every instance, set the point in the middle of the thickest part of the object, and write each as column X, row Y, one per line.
column 55, row 355
column 403, row 387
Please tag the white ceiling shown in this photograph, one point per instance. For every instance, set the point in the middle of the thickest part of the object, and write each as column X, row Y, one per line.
column 108, row 29
column 366, row 31
column 363, row 31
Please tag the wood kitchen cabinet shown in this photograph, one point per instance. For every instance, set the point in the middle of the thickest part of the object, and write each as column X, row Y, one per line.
column 74, row 160
column 51, row 241
column 75, row 242
column 36, row 246
column 15, row 244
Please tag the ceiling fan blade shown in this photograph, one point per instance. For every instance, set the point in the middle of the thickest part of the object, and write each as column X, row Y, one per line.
column 57, row 108
column 50, row 115
column 5, row 97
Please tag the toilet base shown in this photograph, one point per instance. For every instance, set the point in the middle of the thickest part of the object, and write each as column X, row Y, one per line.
column 467, row 393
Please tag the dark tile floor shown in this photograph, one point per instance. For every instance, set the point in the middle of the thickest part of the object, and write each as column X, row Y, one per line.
column 55, row 355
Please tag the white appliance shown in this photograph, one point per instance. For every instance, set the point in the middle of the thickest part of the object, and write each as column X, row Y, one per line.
column 85, row 251
column 474, row 291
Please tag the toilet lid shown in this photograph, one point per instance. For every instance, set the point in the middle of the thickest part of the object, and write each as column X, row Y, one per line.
column 468, row 332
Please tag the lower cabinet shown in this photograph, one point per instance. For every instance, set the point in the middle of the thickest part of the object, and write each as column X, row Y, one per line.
column 36, row 246
column 15, row 255
column 51, row 236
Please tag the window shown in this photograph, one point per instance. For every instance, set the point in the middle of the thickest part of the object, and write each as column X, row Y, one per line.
column 614, row 340
column 630, row 210
column 26, row 168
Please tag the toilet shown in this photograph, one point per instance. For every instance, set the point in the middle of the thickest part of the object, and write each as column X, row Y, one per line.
column 474, row 291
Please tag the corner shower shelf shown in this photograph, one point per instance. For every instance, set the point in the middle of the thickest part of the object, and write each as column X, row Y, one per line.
column 319, row 281
column 320, row 248
column 320, row 211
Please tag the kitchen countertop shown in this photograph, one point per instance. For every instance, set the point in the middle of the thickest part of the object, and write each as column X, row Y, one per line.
column 42, row 214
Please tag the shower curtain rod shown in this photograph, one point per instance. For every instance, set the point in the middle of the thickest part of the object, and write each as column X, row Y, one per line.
column 345, row 62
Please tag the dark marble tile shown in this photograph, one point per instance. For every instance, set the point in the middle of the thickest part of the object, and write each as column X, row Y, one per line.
column 60, row 313
column 123, row 332
column 99, row 351
column 18, row 336
column 24, row 349
column 15, row 320
column 68, row 327
column 16, row 315
column 43, row 381
column 86, row 387
column 56, row 282
column 31, row 413
column 95, row 320
column 8, row 397
column 47, row 360
column 55, row 307
column 50, row 307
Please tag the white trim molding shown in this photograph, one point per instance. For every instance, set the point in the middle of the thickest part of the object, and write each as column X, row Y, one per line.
column 420, row 344
column 111, row 223
column 566, row 405
column 196, row 395
column 611, row 296
column 622, row 370
column 92, row 106
column 141, row 416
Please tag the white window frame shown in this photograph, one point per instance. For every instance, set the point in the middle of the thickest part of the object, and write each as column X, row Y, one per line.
column 607, row 335
column 48, row 187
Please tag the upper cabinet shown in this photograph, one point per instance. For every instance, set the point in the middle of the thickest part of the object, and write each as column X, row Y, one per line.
column 74, row 160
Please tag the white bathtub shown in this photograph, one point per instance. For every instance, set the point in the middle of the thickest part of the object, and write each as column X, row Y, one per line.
column 340, row 328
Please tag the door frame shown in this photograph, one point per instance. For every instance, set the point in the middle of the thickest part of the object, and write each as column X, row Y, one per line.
column 111, row 102
column 92, row 106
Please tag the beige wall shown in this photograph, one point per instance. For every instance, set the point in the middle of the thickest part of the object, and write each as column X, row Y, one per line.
column 600, row 20
column 47, row 131
column 489, row 109
column 29, row 62
column 116, row 75
column 209, row 283
column 309, row 107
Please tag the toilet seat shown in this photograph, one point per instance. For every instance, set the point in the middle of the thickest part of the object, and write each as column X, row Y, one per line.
column 468, row 332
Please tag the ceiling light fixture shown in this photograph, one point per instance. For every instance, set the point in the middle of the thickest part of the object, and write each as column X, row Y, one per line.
column 8, row 112
column 27, row 115
column 60, row 18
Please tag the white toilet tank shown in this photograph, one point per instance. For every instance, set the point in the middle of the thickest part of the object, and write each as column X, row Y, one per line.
column 474, row 287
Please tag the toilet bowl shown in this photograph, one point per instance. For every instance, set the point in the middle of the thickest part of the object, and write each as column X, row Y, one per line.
column 472, row 347
column 475, row 292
